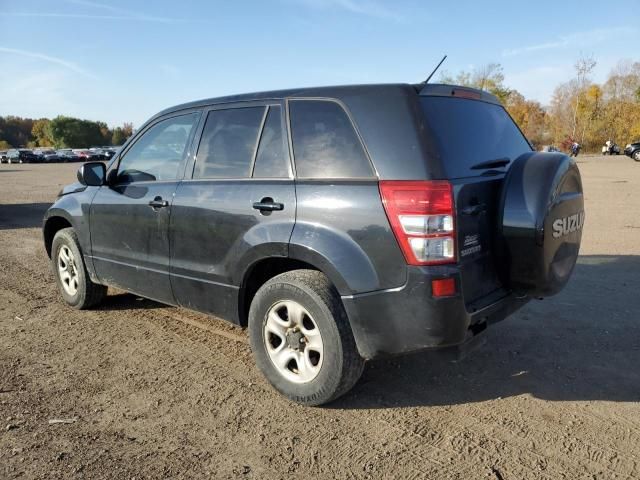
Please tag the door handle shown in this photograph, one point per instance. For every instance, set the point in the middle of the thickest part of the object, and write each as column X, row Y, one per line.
column 268, row 205
column 158, row 202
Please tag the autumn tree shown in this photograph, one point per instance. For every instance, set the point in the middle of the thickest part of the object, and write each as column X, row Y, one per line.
column 530, row 117
column 41, row 133
column 489, row 77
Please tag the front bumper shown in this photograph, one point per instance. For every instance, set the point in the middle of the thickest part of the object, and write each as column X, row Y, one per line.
column 408, row 319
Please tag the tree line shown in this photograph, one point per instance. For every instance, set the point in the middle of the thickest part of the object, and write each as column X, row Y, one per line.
column 580, row 109
column 59, row 132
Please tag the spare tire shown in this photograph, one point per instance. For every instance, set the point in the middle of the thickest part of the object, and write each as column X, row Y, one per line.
column 542, row 214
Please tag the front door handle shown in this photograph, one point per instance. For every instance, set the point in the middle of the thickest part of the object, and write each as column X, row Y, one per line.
column 158, row 202
column 268, row 205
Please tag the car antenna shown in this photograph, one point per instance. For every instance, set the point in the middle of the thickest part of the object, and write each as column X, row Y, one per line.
column 435, row 69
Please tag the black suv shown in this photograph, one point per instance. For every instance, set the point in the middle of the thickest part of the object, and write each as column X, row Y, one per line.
column 22, row 155
column 633, row 150
column 340, row 224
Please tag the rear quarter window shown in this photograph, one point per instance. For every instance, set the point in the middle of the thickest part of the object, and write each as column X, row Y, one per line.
column 325, row 143
column 467, row 132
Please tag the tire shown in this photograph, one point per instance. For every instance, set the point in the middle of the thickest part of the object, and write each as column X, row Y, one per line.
column 636, row 155
column 333, row 362
column 76, row 289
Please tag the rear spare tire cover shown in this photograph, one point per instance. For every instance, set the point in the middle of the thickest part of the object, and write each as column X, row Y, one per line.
column 542, row 214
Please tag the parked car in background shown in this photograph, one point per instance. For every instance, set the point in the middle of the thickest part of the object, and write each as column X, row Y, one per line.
column 3, row 156
column 47, row 155
column 633, row 150
column 550, row 148
column 86, row 155
column 109, row 152
column 98, row 154
column 67, row 155
column 22, row 155
column 610, row 148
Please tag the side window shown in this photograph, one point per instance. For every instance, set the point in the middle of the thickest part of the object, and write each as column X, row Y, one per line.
column 272, row 161
column 228, row 143
column 325, row 145
column 158, row 153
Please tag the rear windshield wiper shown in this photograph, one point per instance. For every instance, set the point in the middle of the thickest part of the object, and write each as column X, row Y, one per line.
column 498, row 162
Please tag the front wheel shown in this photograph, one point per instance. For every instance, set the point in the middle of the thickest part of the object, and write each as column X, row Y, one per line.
column 301, row 338
column 72, row 277
column 636, row 155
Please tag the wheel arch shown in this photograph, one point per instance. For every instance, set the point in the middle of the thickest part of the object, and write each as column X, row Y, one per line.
column 52, row 225
column 264, row 269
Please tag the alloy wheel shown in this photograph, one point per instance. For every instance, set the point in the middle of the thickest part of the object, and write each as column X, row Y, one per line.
column 293, row 341
column 67, row 270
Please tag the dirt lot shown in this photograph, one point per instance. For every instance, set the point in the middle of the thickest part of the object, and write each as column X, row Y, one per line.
column 155, row 391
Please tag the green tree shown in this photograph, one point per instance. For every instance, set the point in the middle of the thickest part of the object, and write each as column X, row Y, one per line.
column 4, row 145
column 121, row 134
column 73, row 132
column 16, row 130
column 118, row 137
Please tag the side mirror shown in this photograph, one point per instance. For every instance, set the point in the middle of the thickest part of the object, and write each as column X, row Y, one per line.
column 92, row 174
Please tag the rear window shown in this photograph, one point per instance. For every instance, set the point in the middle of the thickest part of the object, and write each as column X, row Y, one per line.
column 469, row 132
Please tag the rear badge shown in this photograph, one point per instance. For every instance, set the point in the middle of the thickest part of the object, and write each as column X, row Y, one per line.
column 470, row 245
column 567, row 225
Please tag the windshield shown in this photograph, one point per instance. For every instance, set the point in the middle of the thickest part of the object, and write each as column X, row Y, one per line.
column 467, row 133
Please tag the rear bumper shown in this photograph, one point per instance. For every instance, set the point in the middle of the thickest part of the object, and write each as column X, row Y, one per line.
column 408, row 319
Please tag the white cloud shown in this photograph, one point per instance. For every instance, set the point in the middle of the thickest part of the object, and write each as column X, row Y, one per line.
column 47, row 58
column 109, row 13
column 579, row 39
column 122, row 13
column 369, row 8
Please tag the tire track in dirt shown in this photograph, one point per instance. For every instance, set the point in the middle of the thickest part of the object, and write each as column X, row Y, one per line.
column 185, row 387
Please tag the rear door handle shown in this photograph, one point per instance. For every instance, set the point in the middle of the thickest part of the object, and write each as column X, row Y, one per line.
column 158, row 202
column 268, row 206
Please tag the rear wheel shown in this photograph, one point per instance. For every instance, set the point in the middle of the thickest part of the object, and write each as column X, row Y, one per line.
column 72, row 277
column 301, row 338
column 636, row 155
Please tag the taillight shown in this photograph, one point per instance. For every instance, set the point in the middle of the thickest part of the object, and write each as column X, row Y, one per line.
column 421, row 214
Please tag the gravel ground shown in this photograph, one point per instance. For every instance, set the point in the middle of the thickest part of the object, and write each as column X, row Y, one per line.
column 149, row 391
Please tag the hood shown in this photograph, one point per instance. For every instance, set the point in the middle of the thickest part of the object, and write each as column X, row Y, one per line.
column 72, row 188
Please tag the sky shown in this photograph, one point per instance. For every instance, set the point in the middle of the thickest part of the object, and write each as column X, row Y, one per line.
column 125, row 60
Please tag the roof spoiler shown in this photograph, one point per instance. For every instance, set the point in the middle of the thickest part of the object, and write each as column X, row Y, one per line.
column 442, row 90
